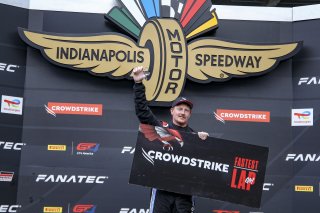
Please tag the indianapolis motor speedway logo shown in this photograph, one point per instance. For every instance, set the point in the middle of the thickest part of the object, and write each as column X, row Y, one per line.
column 163, row 29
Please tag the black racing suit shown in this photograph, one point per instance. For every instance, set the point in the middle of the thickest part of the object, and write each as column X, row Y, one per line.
column 161, row 201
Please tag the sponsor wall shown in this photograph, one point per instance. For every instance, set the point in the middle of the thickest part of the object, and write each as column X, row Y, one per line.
column 78, row 131
column 12, row 79
column 304, row 149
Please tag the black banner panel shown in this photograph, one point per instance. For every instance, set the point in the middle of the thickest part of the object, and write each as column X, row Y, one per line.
column 181, row 162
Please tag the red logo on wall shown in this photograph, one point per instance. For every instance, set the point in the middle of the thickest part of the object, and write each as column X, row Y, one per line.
column 244, row 173
column 6, row 176
column 54, row 108
column 242, row 115
column 87, row 148
column 84, row 208
column 225, row 211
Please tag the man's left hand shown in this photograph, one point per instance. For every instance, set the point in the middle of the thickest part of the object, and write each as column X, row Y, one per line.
column 203, row 135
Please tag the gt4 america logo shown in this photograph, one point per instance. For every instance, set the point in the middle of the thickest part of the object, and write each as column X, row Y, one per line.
column 84, row 208
column 162, row 30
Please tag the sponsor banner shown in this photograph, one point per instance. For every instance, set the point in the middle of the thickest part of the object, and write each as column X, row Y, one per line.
column 9, row 208
column 6, row 176
column 57, row 147
column 11, row 105
column 133, row 210
column 302, row 117
column 78, row 182
column 84, row 208
column 303, row 157
column 78, row 208
column 87, row 148
column 128, row 150
column 64, row 178
column 49, row 209
column 6, row 145
column 242, row 115
column 225, row 211
column 11, row 68
column 72, row 154
column 300, row 188
column 12, row 60
column 309, row 81
column 84, row 148
column 227, row 170
column 54, row 108
column 267, row 186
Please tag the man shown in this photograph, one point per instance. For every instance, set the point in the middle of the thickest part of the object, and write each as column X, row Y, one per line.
column 163, row 201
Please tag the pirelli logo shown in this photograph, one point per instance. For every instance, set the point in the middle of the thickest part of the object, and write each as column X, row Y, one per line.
column 299, row 188
column 57, row 147
column 47, row 209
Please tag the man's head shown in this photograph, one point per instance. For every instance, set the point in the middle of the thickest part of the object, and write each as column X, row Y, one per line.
column 181, row 111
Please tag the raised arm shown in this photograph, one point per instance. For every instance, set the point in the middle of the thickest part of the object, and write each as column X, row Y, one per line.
column 143, row 111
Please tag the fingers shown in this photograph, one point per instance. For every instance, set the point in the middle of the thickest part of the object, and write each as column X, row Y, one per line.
column 138, row 74
column 203, row 135
column 137, row 70
column 167, row 148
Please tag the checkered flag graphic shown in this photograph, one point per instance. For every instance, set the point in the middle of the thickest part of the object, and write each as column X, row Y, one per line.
column 172, row 8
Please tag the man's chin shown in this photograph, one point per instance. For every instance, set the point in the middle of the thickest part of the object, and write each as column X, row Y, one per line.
column 182, row 123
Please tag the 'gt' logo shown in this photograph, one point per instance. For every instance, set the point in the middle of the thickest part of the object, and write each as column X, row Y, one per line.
column 84, row 208
column 93, row 147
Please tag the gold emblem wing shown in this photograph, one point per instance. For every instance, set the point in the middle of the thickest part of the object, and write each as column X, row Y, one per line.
column 217, row 60
column 111, row 54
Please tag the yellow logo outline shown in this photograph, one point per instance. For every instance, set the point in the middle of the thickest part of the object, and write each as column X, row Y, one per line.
column 163, row 48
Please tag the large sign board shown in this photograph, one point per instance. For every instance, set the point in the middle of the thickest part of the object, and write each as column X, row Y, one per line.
column 163, row 46
column 215, row 168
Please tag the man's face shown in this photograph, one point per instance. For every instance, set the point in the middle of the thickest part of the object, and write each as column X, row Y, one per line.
column 181, row 114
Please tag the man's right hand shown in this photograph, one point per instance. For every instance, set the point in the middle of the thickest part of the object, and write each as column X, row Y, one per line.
column 203, row 135
column 138, row 74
